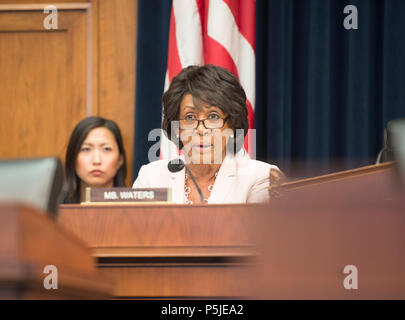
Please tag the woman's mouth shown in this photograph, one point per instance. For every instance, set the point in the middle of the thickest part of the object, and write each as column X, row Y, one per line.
column 202, row 148
column 96, row 173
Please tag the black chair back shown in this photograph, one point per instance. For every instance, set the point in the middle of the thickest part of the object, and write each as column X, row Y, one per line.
column 36, row 182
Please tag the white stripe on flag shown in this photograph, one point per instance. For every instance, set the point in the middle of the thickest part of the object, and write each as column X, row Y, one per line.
column 188, row 32
column 222, row 27
column 167, row 82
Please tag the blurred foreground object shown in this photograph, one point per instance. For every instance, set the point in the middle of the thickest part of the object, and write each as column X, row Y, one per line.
column 33, row 247
column 35, row 182
column 319, row 228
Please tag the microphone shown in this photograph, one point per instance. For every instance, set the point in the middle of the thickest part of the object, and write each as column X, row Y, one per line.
column 177, row 165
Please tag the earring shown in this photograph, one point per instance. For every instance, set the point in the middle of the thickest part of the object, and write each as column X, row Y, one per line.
column 177, row 136
column 231, row 136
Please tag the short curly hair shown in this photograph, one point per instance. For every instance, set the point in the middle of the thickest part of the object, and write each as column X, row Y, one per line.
column 210, row 84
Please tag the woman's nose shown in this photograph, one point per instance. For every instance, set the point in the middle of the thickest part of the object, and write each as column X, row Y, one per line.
column 201, row 128
column 96, row 157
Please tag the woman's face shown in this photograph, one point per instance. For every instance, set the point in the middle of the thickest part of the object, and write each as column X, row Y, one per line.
column 99, row 159
column 203, row 145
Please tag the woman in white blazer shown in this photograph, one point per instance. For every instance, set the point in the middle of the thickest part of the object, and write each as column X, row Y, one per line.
column 205, row 115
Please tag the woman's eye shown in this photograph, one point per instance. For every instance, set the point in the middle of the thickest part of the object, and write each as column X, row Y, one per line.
column 85, row 149
column 189, row 117
column 213, row 116
column 107, row 149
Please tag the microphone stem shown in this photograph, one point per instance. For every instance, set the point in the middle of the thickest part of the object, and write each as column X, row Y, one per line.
column 195, row 183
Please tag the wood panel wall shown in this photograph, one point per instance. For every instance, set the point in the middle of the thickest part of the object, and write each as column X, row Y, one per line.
column 51, row 79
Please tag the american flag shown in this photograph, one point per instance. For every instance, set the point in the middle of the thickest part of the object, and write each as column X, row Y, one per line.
column 219, row 32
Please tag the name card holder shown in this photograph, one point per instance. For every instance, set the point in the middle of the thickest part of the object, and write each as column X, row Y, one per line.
column 127, row 195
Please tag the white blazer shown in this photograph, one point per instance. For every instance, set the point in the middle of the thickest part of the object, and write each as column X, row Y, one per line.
column 239, row 180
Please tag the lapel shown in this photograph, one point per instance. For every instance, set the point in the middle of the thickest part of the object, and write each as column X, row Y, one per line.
column 176, row 183
column 225, row 181
column 224, row 185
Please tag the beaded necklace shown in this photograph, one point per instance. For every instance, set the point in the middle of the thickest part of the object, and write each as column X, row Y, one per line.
column 187, row 190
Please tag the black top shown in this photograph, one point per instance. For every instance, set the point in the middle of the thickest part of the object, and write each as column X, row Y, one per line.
column 65, row 198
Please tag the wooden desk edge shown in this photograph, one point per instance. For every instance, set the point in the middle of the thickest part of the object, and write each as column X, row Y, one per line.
column 337, row 176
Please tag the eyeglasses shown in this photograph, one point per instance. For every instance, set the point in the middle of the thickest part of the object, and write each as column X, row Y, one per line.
column 191, row 124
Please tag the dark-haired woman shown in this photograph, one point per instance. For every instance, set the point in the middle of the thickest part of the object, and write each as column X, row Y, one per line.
column 205, row 115
column 95, row 157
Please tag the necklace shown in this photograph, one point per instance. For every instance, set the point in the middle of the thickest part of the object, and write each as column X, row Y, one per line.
column 187, row 190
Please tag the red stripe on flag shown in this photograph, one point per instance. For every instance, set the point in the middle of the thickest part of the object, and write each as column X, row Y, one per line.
column 244, row 13
column 215, row 53
column 251, row 114
column 173, row 59
column 201, row 4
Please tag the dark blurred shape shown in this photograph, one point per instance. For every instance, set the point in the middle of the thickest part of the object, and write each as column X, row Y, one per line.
column 37, row 182
column 276, row 178
column 385, row 153
column 393, row 141
column 396, row 144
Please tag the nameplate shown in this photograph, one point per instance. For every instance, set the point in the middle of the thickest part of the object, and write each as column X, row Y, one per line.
column 128, row 195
